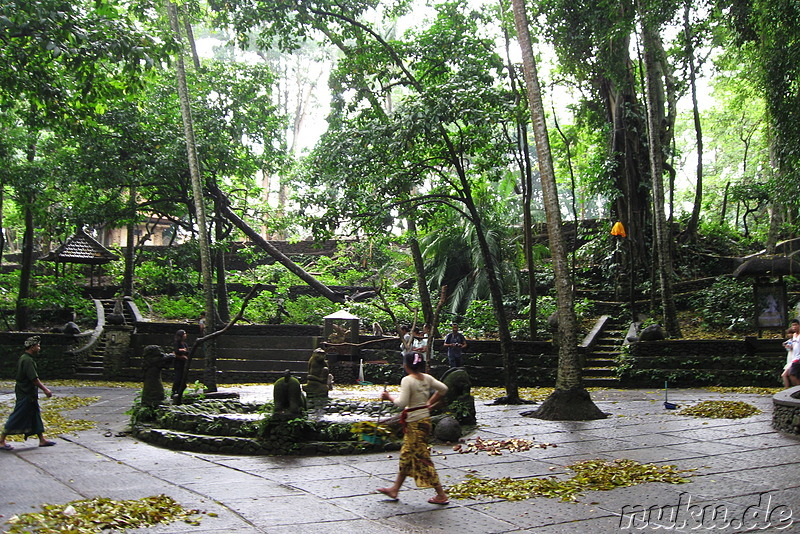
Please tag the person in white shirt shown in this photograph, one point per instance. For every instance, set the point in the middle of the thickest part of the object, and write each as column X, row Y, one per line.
column 416, row 400
column 792, row 345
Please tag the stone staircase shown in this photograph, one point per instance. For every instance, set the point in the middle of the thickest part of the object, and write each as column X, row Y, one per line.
column 599, row 369
column 92, row 368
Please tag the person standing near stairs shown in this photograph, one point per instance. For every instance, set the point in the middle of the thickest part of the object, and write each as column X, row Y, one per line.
column 26, row 419
column 181, row 351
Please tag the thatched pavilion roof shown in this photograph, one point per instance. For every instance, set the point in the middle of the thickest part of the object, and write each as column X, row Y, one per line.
column 81, row 248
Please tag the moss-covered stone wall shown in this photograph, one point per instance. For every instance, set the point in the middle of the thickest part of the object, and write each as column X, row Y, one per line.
column 53, row 361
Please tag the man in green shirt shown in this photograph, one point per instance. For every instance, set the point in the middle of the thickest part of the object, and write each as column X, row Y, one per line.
column 26, row 419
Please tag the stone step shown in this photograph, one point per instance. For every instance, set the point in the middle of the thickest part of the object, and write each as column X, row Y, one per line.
column 598, row 382
column 600, row 362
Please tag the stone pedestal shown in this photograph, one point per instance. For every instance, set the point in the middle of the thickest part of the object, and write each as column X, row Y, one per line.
column 117, row 353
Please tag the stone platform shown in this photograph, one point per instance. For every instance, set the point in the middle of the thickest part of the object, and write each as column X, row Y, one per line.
column 746, row 474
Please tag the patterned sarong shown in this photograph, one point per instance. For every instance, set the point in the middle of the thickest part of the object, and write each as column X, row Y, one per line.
column 415, row 458
column 26, row 418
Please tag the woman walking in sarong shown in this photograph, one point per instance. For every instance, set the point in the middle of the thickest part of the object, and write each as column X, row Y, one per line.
column 26, row 419
column 416, row 401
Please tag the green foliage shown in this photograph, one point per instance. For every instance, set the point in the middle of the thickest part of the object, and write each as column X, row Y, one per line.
column 157, row 278
column 728, row 303
column 383, row 374
column 61, row 293
column 306, row 309
column 461, row 411
column 479, row 319
column 177, row 306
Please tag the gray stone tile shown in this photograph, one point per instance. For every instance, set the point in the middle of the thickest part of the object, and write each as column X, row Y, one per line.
column 708, row 448
column 377, row 506
column 340, row 487
column 316, row 472
column 448, row 519
column 300, row 509
column 539, row 511
column 723, row 486
column 648, row 455
column 361, row 526
column 223, row 487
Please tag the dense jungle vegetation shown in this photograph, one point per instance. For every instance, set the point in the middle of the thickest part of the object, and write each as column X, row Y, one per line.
column 678, row 119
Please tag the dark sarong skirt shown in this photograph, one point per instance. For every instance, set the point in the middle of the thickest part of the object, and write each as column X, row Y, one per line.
column 26, row 418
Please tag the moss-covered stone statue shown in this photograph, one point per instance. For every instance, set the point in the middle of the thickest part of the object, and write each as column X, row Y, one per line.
column 290, row 403
column 458, row 399
column 154, row 360
column 317, row 382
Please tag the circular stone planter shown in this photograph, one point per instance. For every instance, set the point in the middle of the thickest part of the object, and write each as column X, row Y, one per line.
column 786, row 411
column 232, row 427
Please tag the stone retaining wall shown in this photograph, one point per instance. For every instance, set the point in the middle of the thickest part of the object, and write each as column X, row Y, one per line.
column 691, row 363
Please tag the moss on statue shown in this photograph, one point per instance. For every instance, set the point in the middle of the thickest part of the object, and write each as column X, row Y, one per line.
column 290, row 403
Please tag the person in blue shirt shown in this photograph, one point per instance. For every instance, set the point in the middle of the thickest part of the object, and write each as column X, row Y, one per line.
column 455, row 342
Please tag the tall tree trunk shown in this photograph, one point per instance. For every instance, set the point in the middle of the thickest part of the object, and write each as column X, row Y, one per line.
column 210, row 374
column 523, row 155
column 223, row 304
column 281, row 258
column 655, row 113
column 569, row 401
column 26, row 268
column 130, row 250
column 2, row 230
column 419, row 271
column 22, row 312
column 496, row 293
column 694, row 220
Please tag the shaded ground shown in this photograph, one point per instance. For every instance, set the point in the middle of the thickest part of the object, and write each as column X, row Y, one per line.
column 741, row 466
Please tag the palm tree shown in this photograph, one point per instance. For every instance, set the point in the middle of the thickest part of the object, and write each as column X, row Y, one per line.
column 569, row 401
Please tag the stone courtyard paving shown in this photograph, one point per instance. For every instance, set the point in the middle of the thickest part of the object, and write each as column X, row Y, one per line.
column 746, row 476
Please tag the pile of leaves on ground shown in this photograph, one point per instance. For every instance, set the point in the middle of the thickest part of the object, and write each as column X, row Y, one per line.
column 746, row 390
column 55, row 423
column 495, row 447
column 721, row 409
column 75, row 383
column 100, row 514
column 590, row 475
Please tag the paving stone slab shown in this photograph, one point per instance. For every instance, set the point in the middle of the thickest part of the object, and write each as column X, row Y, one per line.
column 377, row 506
column 617, row 500
column 222, row 488
column 300, row 474
column 512, row 468
column 531, row 514
column 648, row 455
column 708, row 448
column 360, row 526
column 724, row 486
column 340, row 487
column 450, row 519
column 292, row 510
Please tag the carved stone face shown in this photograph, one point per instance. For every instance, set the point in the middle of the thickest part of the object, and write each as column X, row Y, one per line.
column 152, row 355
